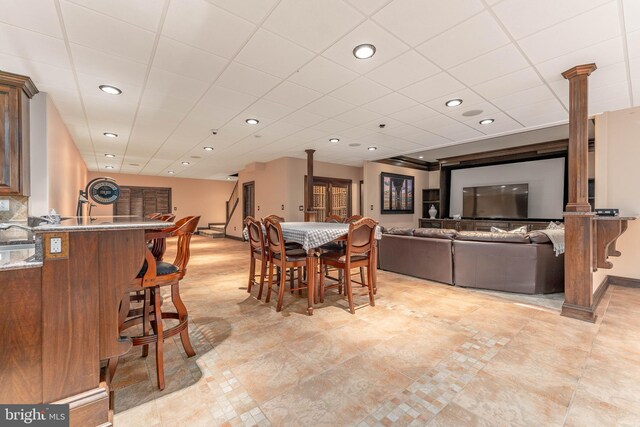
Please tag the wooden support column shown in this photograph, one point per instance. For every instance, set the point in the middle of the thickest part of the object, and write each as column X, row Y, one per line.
column 309, row 212
column 578, row 284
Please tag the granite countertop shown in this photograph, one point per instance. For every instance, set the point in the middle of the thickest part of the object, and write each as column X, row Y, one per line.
column 19, row 248
column 103, row 223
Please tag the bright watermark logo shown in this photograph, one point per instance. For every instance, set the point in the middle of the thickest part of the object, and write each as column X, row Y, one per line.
column 34, row 415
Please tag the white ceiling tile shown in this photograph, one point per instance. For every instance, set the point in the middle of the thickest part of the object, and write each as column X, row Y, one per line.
column 466, row 41
column 633, row 44
column 368, row 6
column 577, row 33
column 323, row 75
column 331, row 127
column 225, row 100
column 185, row 60
column 631, row 15
column 360, row 91
column 96, row 31
column 470, row 111
column 328, row 106
column 499, row 62
column 142, row 13
column 303, row 119
column 43, row 75
column 414, row 114
column 89, row 88
column 525, row 97
column 404, row 70
column 357, row 132
column 357, row 116
column 246, row 79
column 264, row 109
column 432, row 87
column 293, row 95
column 313, row 24
column 415, row 21
column 545, row 112
column 390, row 104
column 387, row 47
column 634, row 66
column 435, row 122
column 166, row 82
column 35, row 15
column 278, row 130
column 510, row 83
column 33, row 46
column 252, row 10
column 525, row 17
column 111, row 68
column 602, row 94
column 603, row 54
column 457, row 132
column 205, row 26
column 273, row 54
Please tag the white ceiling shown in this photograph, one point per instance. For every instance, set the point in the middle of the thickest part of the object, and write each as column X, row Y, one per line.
column 189, row 66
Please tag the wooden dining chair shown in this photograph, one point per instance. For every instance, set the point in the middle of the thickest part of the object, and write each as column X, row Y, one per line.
column 153, row 276
column 334, row 218
column 358, row 253
column 282, row 259
column 258, row 252
column 352, row 218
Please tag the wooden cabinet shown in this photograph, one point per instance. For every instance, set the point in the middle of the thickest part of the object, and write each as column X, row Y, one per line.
column 15, row 93
column 431, row 197
column 142, row 201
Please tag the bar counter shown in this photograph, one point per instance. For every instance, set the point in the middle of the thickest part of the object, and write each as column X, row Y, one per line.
column 59, row 317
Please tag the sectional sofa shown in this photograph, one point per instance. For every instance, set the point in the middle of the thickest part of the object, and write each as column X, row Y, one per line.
column 510, row 262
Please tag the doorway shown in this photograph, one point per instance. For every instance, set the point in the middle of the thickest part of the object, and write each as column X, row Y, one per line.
column 248, row 199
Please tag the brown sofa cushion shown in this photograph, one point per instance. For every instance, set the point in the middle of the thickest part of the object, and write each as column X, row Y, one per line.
column 486, row 236
column 401, row 231
column 538, row 237
column 435, row 233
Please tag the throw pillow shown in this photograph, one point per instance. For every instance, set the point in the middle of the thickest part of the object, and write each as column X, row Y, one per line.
column 555, row 226
column 521, row 230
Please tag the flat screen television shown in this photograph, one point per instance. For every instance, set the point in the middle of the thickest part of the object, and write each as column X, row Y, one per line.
column 496, row 201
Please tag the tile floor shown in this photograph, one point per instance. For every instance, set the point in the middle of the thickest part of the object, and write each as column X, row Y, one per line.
column 427, row 354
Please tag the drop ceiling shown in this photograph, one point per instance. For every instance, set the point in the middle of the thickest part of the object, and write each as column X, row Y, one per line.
column 189, row 66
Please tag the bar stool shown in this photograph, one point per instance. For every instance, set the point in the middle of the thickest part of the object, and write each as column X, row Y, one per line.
column 153, row 276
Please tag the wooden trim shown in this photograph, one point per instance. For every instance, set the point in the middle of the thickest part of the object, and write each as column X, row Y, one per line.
column 524, row 151
column 602, row 289
column 24, row 82
column 626, row 282
column 411, row 163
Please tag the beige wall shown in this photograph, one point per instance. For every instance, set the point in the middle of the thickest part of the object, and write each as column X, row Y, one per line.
column 617, row 177
column 372, row 171
column 58, row 171
column 280, row 183
column 202, row 197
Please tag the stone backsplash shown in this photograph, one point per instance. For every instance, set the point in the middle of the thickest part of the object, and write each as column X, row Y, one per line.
column 18, row 209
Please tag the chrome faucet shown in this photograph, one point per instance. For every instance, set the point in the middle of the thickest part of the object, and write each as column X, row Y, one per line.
column 6, row 226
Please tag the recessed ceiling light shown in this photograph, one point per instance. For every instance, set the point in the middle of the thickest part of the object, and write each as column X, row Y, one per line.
column 186, row 163
column 421, row 157
column 252, row 121
column 486, row 121
column 108, row 167
column 208, row 148
column 453, row 102
column 111, row 90
column 334, row 140
column 364, row 51
column 111, row 156
column 110, row 135
column 372, row 148
column 228, row 178
column 170, row 172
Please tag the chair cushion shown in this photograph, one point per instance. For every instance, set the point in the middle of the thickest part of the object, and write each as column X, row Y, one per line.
column 341, row 256
column 162, row 268
column 293, row 255
column 332, row 246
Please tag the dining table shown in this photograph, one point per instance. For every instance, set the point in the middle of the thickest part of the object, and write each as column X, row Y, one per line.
column 311, row 236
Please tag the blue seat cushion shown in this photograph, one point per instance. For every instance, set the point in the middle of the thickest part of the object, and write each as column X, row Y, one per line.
column 162, row 268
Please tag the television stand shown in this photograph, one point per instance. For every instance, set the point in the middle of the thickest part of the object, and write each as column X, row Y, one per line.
column 483, row 224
